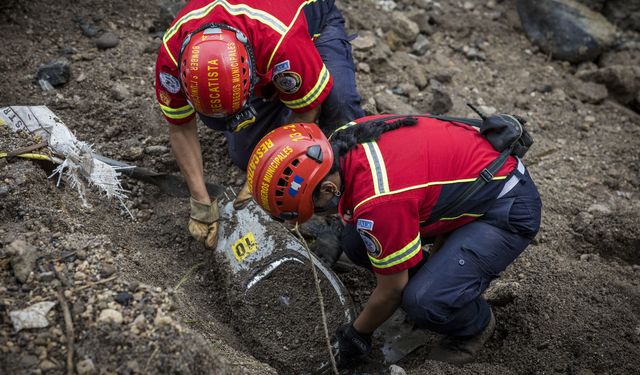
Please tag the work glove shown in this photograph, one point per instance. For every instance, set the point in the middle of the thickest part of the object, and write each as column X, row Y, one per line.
column 203, row 222
column 243, row 198
column 353, row 346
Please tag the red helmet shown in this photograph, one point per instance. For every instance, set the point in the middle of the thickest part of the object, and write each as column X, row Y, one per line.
column 285, row 168
column 216, row 70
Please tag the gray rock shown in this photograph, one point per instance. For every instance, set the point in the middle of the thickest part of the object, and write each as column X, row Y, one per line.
column 473, row 53
column 34, row 316
column 424, row 22
column 440, row 103
column 86, row 367
column 56, row 72
column 120, row 92
column 566, row 29
column 88, row 29
column 404, row 27
column 28, row 361
column 419, row 75
column 421, row 45
column 622, row 81
column 589, row 92
column 107, row 40
column 396, row 370
column 24, row 259
column 156, row 150
column 386, row 102
column 47, row 365
column 110, row 316
column 364, row 42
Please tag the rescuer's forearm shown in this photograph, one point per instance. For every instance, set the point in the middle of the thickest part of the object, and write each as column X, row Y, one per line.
column 186, row 149
column 382, row 303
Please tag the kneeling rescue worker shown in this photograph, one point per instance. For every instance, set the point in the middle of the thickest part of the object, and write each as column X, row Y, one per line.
column 246, row 67
column 387, row 176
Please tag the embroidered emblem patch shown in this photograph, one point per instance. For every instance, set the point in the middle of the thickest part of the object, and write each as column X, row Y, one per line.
column 281, row 67
column 287, row 82
column 164, row 97
column 364, row 224
column 371, row 243
column 169, row 82
column 295, row 185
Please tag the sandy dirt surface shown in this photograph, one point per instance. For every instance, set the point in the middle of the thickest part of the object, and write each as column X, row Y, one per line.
column 569, row 305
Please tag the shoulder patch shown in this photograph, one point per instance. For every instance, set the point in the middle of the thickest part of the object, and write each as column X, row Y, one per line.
column 364, row 224
column 371, row 243
column 287, row 82
column 281, row 67
column 169, row 82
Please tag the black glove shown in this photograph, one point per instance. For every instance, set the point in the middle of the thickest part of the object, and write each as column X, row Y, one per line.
column 353, row 346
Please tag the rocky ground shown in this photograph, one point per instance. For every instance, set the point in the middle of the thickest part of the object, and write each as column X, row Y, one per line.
column 139, row 296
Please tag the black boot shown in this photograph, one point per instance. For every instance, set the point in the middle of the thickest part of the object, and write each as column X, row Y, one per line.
column 460, row 350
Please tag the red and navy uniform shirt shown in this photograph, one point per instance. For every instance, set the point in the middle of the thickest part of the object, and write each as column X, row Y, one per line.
column 284, row 51
column 393, row 184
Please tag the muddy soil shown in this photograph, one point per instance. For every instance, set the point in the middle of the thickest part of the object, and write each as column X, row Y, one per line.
column 569, row 305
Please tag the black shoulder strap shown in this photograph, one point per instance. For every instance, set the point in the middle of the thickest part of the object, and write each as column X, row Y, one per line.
column 485, row 177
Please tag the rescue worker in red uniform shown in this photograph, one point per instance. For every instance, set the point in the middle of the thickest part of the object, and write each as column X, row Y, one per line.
column 246, row 67
column 386, row 176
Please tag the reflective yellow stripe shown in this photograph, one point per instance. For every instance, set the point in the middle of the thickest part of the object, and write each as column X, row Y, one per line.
column 433, row 183
column 347, row 125
column 461, row 215
column 293, row 21
column 378, row 169
column 234, row 9
column 399, row 256
column 315, row 92
column 177, row 113
column 245, row 123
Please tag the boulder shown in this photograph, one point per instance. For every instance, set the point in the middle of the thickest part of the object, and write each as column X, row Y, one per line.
column 566, row 29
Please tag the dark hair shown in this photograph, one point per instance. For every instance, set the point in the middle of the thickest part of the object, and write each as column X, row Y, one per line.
column 345, row 140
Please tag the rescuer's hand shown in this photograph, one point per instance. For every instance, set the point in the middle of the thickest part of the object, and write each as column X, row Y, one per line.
column 353, row 346
column 203, row 222
column 243, row 198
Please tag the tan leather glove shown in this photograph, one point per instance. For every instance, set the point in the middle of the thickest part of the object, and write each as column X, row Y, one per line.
column 243, row 198
column 203, row 223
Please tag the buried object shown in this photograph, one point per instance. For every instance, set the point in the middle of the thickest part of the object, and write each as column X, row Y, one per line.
column 274, row 301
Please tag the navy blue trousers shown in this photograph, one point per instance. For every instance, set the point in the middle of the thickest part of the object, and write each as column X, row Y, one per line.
column 444, row 294
column 341, row 105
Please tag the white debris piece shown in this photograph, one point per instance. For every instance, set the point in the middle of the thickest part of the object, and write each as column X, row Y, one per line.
column 34, row 316
column 77, row 160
